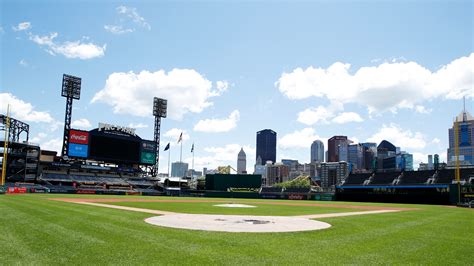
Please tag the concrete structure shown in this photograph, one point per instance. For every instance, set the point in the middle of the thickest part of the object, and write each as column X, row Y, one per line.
column 266, row 145
column 242, row 162
column 465, row 123
column 333, row 173
column 179, row 169
column 317, row 151
column 276, row 173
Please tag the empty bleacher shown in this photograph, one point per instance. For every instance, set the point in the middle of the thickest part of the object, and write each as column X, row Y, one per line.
column 384, row 178
column 141, row 182
column 415, row 177
column 57, row 177
column 447, row 176
column 356, row 179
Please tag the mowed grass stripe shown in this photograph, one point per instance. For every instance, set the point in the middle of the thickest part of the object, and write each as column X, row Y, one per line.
column 431, row 235
column 210, row 208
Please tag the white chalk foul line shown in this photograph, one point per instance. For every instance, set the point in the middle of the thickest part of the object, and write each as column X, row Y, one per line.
column 342, row 214
column 133, row 209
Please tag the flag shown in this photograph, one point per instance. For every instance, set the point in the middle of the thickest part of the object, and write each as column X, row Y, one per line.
column 180, row 137
column 192, row 148
column 167, row 147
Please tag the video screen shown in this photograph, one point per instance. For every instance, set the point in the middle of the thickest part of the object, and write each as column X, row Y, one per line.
column 114, row 149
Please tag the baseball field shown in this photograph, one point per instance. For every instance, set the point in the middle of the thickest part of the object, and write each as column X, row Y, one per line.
column 78, row 229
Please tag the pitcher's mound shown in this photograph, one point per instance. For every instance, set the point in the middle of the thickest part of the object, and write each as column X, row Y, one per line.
column 235, row 205
column 237, row 223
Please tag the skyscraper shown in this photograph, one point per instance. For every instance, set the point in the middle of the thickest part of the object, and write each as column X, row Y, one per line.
column 370, row 155
column 317, row 151
column 333, row 147
column 266, row 145
column 179, row 169
column 242, row 162
column 355, row 156
column 465, row 123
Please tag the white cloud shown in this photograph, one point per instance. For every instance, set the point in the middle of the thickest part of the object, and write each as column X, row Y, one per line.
column 218, row 125
column 174, row 133
column 418, row 158
column 139, row 125
column 22, row 26
column 223, row 156
column 52, row 145
column 299, row 139
column 23, row 63
column 386, row 87
column 347, row 117
column 436, row 140
column 2, row 31
column 405, row 139
column 75, row 49
column 221, row 87
column 311, row 116
column 82, row 123
column 422, row 110
column 132, row 13
column 321, row 114
column 38, row 138
column 117, row 29
column 21, row 110
column 132, row 93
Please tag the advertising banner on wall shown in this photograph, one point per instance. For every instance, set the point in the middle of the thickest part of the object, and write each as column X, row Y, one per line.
column 78, row 150
column 78, row 137
column 147, row 157
column 148, row 146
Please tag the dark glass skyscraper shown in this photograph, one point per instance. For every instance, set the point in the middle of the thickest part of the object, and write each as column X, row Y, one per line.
column 266, row 145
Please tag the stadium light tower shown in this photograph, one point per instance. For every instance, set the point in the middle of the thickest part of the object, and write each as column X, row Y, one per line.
column 159, row 111
column 71, row 89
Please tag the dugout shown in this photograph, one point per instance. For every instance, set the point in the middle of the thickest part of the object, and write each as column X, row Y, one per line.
column 222, row 182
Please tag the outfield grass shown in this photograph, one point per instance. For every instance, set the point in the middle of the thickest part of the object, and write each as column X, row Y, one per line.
column 35, row 230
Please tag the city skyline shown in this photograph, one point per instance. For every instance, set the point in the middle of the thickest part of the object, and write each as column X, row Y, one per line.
column 308, row 71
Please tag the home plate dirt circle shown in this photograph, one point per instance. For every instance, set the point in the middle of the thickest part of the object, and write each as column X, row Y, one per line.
column 237, row 223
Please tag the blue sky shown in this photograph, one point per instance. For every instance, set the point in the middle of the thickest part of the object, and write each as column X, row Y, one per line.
column 308, row 70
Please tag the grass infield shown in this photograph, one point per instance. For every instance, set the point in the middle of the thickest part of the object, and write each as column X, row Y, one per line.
column 35, row 230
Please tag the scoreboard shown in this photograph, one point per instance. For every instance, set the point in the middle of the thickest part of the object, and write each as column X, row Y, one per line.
column 111, row 144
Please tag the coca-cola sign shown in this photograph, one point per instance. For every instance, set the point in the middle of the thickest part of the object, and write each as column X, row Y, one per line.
column 79, row 137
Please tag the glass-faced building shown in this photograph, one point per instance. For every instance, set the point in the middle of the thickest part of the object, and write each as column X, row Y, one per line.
column 266, row 145
column 179, row 169
column 465, row 123
column 317, row 151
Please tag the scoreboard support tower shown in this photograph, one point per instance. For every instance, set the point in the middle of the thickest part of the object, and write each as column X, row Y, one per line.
column 71, row 89
column 159, row 111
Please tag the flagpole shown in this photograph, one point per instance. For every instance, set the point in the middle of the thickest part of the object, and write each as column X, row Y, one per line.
column 193, row 163
column 181, row 153
column 169, row 161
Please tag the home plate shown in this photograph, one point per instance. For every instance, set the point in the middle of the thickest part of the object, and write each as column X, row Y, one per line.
column 232, row 205
column 237, row 223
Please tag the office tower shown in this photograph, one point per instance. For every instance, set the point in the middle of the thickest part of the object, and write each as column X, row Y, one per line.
column 317, row 151
column 266, row 146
